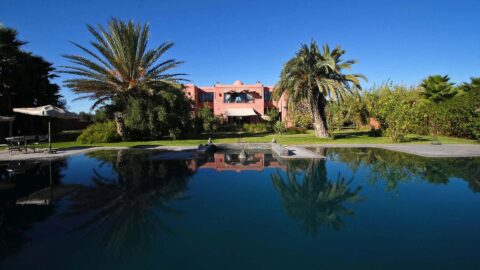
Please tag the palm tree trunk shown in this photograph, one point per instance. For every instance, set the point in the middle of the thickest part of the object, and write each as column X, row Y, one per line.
column 120, row 124
column 317, row 107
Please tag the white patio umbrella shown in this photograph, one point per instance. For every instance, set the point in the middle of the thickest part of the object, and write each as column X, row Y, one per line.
column 50, row 112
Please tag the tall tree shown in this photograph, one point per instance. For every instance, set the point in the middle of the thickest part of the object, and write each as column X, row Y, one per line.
column 316, row 76
column 121, row 67
column 24, row 78
column 437, row 88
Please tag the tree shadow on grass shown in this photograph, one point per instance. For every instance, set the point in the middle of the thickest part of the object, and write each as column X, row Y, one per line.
column 69, row 148
column 416, row 138
column 359, row 134
column 354, row 134
column 144, row 146
column 231, row 135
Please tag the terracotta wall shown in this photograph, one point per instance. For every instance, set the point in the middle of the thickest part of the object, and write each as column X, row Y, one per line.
column 219, row 107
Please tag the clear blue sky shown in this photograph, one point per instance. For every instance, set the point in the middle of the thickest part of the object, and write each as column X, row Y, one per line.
column 403, row 41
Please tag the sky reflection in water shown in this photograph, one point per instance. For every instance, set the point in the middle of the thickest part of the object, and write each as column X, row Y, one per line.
column 360, row 208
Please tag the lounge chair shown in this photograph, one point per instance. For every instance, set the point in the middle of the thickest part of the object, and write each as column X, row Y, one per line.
column 14, row 144
column 41, row 142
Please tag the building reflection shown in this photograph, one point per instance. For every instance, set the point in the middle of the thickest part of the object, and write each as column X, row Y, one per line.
column 238, row 161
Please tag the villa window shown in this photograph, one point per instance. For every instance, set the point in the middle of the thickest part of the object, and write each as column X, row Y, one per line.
column 206, row 97
column 238, row 98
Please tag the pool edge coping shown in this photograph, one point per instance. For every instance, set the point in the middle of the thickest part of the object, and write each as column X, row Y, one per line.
column 423, row 150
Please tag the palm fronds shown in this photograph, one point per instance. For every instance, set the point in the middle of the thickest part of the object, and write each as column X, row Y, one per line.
column 120, row 64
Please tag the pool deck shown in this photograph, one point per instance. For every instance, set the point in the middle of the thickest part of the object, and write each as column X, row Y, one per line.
column 297, row 151
column 62, row 153
column 301, row 152
column 424, row 150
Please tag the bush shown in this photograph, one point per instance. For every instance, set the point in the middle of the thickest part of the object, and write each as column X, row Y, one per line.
column 403, row 110
column 279, row 127
column 272, row 116
column 300, row 115
column 397, row 109
column 256, row 127
column 459, row 116
column 101, row 132
column 163, row 114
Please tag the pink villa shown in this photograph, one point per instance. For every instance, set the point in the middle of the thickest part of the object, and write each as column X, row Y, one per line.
column 237, row 102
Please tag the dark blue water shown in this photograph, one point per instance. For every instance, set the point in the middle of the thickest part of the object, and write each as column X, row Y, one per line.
column 358, row 209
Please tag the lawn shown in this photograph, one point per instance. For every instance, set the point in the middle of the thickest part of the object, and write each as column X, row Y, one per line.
column 343, row 137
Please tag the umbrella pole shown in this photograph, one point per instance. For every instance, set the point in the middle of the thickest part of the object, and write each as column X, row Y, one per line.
column 49, row 135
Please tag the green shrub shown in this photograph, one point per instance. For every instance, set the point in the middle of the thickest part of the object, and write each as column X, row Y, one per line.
column 153, row 117
column 396, row 107
column 208, row 121
column 300, row 115
column 101, row 132
column 402, row 110
column 256, row 127
column 459, row 116
column 279, row 127
column 272, row 116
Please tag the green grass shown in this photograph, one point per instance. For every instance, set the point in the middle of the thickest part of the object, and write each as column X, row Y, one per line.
column 343, row 137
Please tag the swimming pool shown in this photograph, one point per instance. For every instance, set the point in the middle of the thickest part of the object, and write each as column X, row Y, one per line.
column 140, row 209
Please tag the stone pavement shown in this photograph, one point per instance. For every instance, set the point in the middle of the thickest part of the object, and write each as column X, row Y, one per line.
column 296, row 151
column 300, row 152
column 424, row 150
column 62, row 153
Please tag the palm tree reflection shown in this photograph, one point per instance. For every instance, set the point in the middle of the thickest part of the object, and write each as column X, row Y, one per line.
column 128, row 203
column 316, row 201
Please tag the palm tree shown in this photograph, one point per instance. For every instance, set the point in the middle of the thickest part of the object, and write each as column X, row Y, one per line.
column 472, row 86
column 316, row 201
column 316, row 76
column 437, row 88
column 122, row 67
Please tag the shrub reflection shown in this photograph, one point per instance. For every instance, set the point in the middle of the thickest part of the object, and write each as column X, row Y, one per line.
column 395, row 167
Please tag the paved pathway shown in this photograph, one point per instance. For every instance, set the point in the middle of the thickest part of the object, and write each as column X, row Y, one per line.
column 62, row 153
column 300, row 152
column 424, row 150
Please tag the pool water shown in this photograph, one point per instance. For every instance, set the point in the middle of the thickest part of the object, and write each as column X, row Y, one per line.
column 136, row 209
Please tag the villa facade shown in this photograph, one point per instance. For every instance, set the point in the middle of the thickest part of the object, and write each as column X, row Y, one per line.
column 237, row 102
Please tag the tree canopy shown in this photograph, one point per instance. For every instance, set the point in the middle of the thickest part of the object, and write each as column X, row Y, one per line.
column 437, row 88
column 25, row 79
column 315, row 76
column 121, row 67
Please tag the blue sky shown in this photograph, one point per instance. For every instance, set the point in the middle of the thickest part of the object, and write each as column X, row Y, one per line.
column 401, row 41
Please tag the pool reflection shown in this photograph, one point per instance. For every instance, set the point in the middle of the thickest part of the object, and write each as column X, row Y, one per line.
column 394, row 168
column 314, row 200
column 19, row 210
column 129, row 202
column 129, row 206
